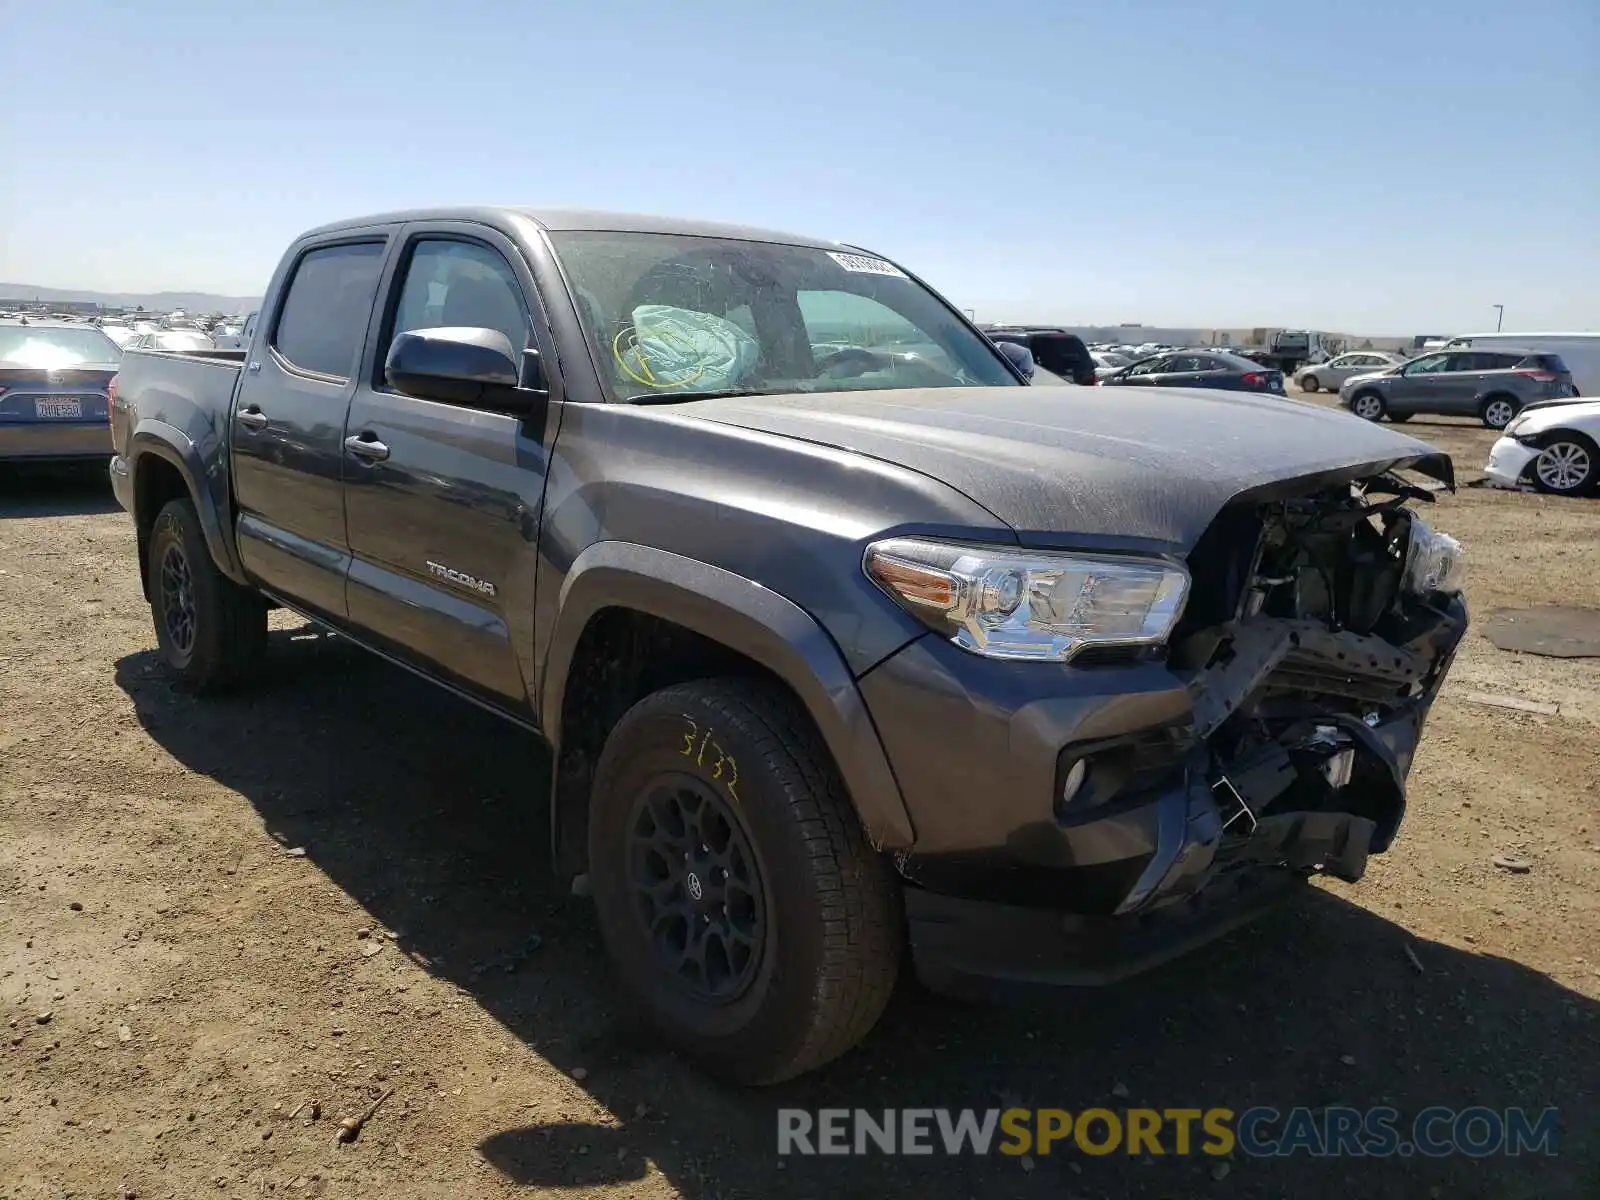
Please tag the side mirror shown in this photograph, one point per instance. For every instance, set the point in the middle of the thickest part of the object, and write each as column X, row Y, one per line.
column 1021, row 357
column 459, row 365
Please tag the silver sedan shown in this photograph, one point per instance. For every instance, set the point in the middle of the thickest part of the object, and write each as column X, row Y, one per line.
column 1317, row 377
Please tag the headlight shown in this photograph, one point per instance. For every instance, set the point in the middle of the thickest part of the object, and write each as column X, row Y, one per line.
column 1005, row 603
column 1434, row 562
column 1516, row 423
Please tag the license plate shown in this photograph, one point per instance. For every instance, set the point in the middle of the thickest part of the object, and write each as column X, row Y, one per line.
column 58, row 408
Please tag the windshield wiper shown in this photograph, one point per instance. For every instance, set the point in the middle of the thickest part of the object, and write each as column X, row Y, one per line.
column 685, row 397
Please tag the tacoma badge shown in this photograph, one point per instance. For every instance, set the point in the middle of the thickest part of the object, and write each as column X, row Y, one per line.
column 460, row 578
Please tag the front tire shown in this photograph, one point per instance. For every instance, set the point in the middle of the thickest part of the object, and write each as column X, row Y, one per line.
column 210, row 630
column 740, row 905
column 1310, row 384
column 1568, row 465
column 1369, row 406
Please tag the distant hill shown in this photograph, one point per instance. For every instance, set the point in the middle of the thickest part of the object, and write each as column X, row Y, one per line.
column 154, row 301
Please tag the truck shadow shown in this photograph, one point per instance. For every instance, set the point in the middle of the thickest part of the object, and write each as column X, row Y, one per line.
column 432, row 815
column 51, row 490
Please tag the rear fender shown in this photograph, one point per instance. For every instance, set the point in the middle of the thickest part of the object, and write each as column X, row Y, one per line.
column 153, row 439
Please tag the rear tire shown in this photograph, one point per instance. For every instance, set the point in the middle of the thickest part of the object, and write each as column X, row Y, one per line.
column 1369, row 406
column 211, row 631
column 1568, row 465
column 718, row 821
column 1498, row 411
column 1310, row 384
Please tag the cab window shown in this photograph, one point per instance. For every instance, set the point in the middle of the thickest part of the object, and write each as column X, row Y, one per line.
column 325, row 312
column 453, row 283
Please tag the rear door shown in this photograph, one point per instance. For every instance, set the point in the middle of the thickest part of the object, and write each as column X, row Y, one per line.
column 1464, row 380
column 288, row 421
column 1187, row 370
column 444, row 500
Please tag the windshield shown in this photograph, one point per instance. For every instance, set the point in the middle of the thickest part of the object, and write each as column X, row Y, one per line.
column 33, row 346
column 671, row 316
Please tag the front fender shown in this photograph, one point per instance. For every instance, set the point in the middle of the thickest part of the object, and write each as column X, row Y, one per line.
column 158, row 439
column 753, row 621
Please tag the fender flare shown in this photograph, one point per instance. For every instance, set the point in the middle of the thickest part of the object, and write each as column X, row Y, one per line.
column 176, row 448
column 752, row 620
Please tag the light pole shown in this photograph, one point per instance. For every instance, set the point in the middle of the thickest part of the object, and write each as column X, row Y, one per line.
column 1499, row 315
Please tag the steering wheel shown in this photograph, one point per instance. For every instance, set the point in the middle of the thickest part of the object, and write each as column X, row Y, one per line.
column 865, row 360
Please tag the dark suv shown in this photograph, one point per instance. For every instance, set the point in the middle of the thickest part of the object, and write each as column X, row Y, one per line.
column 1492, row 385
column 1057, row 351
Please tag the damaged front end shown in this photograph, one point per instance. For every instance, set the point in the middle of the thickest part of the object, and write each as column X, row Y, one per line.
column 1318, row 633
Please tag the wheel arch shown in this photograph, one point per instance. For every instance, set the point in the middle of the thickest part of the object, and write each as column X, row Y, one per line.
column 164, row 464
column 633, row 619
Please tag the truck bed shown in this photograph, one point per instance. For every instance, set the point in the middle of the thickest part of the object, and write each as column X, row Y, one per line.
column 191, row 390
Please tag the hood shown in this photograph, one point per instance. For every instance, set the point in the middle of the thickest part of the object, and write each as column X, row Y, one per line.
column 1115, row 467
column 1544, row 415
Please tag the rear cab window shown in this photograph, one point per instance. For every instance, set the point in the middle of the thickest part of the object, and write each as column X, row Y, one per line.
column 323, row 318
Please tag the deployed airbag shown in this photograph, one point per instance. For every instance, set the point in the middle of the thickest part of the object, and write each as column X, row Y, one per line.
column 672, row 347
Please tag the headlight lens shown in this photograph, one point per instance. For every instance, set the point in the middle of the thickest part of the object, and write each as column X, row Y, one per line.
column 1517, row 422
column 1434, row 562
column 1025, row 604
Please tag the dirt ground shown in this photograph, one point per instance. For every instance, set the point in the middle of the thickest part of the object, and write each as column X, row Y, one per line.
column 243, row 913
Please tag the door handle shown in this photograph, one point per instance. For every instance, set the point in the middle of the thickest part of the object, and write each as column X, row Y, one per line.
column 253, row 417
column 366, row 446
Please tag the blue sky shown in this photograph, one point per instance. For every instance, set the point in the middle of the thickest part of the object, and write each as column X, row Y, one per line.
column 1379, row 167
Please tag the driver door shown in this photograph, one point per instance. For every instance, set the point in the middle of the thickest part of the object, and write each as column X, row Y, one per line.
column 443, row 501
column 1419, row 385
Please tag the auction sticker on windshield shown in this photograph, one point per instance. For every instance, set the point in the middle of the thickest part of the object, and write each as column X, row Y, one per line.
column 865, row 264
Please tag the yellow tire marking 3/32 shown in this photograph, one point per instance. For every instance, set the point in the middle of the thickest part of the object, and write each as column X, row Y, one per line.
column 724, row 767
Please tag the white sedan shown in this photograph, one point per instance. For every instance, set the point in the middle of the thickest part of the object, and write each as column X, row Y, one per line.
column 1329, row 375
column 1556, row 447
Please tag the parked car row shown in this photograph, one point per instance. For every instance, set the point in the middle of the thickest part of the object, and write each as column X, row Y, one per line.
column 1485, row 376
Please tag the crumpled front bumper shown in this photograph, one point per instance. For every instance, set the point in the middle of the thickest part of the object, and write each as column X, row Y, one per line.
column 1508, row 461
column 1008, row 883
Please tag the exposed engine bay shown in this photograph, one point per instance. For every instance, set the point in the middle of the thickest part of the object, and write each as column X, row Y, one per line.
column 1319, row 631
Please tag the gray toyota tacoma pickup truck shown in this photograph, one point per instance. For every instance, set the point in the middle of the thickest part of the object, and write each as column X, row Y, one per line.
column 842, row 635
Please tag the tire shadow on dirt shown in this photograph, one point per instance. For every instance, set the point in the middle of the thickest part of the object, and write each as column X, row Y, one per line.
column 433, row 816
column 55, row 490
